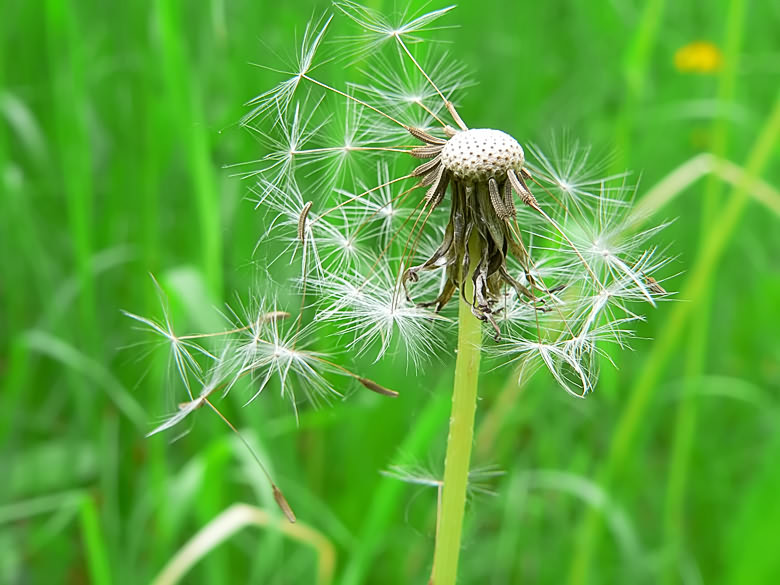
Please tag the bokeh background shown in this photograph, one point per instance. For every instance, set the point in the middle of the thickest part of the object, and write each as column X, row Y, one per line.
column 116, row 123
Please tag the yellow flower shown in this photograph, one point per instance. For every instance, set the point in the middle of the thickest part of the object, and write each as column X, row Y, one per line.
column 698, row 57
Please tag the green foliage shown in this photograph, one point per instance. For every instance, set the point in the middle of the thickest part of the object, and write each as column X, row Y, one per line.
column 116, row 123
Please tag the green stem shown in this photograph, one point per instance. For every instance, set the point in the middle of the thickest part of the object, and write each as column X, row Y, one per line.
column 681, row 451
column 460, row 439
column 94, row 543
column 636, row 63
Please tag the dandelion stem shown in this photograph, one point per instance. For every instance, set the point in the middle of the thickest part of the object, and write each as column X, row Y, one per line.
column 460, row 439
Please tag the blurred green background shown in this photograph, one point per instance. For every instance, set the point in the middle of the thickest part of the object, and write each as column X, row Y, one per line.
column 116, row 122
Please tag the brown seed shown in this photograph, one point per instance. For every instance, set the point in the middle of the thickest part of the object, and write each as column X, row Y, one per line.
column 653, row 286
column 424, row 136
column 497, row 201
column 273, row 316
column 374, row 387
column 427, row 166
column 281, row 501
column 302, row 221
column 425, row 151
column 518, row 184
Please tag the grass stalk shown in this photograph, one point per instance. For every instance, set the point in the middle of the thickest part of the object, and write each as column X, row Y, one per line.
column 70, row 103
column 460, row 439
column 721, row 232
column 189, row 110
column 695, row 361
column 94, row 543
column 14, row 372
column 636, row 62
column 211, row 502
column 387, row 501
column 233, row 519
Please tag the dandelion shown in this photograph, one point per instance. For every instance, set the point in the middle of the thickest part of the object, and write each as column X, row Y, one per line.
column 553, row 281
column 698, row 57
column 396, row 210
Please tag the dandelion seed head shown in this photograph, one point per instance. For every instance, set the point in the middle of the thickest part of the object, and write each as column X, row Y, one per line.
column 482, row 153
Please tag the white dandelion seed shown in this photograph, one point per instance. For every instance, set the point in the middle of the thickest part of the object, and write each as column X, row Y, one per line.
column 184, row 351
column 279, row 97
column 374, row 315
column 575, row 174
column 377, row 28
